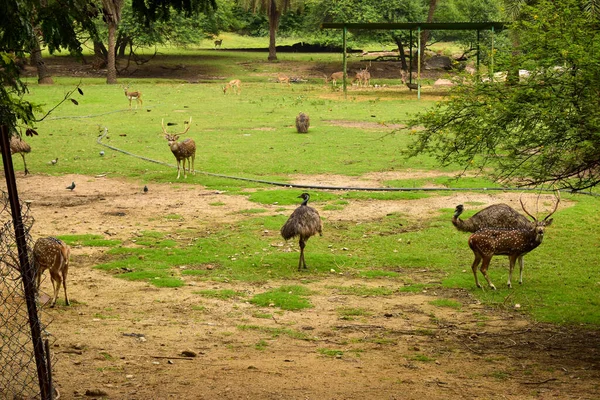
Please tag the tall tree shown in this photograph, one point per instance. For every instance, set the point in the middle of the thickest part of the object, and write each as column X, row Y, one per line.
column 274, row 10
column 112, row 16
column 541, row 130
column 148, row 11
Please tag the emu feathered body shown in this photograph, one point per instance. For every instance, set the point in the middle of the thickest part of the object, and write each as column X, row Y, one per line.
column 18, row 145
column 302, row 123
column 494, row 216
column 303, row 223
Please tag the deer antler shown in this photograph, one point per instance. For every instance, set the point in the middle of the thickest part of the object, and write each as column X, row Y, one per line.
column 523, row 207
column 187, row 128
column 557, row 195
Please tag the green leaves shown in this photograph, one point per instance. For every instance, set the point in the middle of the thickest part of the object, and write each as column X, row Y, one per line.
column 540, row 130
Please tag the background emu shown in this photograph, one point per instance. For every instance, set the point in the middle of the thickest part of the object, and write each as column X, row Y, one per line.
column 500, row 216
column 18, row 145
column 304, row 223
column 302, row 123
column 494, row 216
column 52, row 254
column 511, row 242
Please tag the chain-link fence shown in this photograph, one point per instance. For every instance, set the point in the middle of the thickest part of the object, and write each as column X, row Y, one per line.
column 19, row 370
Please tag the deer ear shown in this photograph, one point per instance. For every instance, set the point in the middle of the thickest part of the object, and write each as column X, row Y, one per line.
column 549, row 222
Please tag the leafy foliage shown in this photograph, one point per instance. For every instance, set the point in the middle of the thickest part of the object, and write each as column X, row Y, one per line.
column 20, row 22
column 542, row 130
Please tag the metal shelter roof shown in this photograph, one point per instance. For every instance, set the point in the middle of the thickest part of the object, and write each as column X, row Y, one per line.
column 453, row 26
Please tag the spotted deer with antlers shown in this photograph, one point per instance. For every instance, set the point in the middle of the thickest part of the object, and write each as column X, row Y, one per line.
column 511, row 242
column 184, row 150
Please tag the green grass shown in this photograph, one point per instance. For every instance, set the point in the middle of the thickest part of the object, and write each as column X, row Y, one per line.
column 447, row 303
column 252, row 136
column 89, row 240
column 286, row 297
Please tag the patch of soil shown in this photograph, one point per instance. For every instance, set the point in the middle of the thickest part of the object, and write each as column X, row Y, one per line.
column 135, row 341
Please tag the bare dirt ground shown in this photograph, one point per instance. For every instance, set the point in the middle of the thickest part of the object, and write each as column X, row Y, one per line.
column 128, row 340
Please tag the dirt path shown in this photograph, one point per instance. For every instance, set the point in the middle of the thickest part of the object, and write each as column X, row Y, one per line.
column 126, row 339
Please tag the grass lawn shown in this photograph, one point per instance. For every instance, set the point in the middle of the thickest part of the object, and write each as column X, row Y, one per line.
column 252, row 135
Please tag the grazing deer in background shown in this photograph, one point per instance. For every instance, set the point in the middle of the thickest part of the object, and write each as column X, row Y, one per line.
column 409, row 85
column 302, row 123
column 235, row 85
column 218, row 43
column 52, row 254
column 363, row 77
column 511, row 242
column 137, row 96
column 336, row 76
column 284, row 79
column 184, row 150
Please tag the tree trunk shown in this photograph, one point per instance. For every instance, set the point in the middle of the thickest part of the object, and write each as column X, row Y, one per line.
column 403, row 64
column 112, row 15
column 274, row 15
column 425, row 33
column 44, row 77
column 111, row 67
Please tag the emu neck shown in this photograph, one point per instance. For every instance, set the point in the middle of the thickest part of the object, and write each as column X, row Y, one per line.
column 305, row 202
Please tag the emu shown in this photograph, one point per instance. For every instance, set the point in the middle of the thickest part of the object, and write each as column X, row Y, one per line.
column 302, row 123
column 304, row 223
column 494, row 216
column 18, row 145
column 512, row 242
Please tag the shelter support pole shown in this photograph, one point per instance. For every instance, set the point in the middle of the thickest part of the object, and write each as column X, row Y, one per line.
column 410, row 57
column 478, row 56
column 419, row 63
column 492, row 57
column 344, row 60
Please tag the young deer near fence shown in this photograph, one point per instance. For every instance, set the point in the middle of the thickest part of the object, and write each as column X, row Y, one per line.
column 511, row 242
column 52, row 254
column 235, row 85
column 184, row 150
column 137, row 96
column 218, row 43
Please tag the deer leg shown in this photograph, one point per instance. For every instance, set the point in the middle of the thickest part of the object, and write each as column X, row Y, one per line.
column 184, row 173
column 56, row 282
column 484, row 266
column 520, row 259
column 511, row 266
column 178, row 172
column 64, row 277
column 193, row 158
column 474, row 268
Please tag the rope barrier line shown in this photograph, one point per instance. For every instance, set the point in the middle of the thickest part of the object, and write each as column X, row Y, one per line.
column 342, row 188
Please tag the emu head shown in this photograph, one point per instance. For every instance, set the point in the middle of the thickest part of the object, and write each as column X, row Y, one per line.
column 458, row 210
